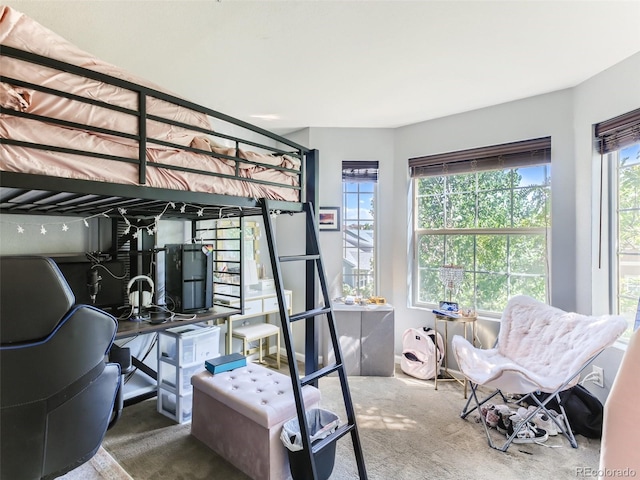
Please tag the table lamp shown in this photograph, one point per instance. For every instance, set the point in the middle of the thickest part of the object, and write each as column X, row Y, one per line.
column 451, row 277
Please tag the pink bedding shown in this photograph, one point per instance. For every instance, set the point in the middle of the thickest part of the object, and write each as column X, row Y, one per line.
column 19, row 31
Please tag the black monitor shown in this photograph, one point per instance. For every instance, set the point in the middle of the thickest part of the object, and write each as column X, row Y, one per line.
column 111, row 282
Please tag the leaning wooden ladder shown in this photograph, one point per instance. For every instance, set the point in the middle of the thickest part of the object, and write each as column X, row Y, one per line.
column 314, row 265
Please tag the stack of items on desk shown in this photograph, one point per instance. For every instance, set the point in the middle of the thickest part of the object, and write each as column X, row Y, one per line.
column 446, row 313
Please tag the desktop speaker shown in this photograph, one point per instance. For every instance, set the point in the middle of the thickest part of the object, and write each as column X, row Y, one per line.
column 188, row 278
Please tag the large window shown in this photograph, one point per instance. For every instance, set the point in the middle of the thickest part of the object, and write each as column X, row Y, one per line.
column 626, row 253
column 486, row 210
column 359, row 182
column 619, row 141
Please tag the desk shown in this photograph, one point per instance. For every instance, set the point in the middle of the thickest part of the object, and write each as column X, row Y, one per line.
column 465, row 321
column 257, row 303
column 128, row 328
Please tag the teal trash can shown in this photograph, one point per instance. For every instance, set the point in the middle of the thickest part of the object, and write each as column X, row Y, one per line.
column 320, row 423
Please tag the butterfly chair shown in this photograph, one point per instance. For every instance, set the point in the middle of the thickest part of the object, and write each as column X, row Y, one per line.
column 540, row 349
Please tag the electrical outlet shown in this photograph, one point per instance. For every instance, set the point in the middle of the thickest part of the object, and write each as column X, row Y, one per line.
column 598, row 376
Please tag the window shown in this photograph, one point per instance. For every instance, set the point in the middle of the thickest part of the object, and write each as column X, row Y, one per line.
column 488, row 211
column 626, row 254
column 359, row 187
column 619, row 140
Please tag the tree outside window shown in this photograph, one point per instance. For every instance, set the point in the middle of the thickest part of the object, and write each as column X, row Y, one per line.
column 618, row 142
column 488, row 214
column 626, row 244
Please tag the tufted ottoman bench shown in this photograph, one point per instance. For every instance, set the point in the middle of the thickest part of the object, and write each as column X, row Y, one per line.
column 239, row 414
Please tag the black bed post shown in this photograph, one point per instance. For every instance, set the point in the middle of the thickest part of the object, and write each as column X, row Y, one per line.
column 142, row 132
column 311, row 327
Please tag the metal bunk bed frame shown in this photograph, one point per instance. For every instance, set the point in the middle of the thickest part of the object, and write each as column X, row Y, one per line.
column 108, row 193
column 23, row 193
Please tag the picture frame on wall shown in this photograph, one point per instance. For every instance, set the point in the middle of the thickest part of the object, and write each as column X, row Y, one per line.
column 329, row 219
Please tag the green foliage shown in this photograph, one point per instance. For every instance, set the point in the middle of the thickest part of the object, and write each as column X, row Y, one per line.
column 462, row 208
column 628, row 248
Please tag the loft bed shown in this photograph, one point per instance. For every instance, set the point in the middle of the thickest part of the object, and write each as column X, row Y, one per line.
column 81, row 137
column 70, row 122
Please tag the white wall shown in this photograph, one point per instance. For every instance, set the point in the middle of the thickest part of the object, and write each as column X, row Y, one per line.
column 547, row 115
column 77, row 239
column 567, row 116
column 336, row 145
column 607, row 95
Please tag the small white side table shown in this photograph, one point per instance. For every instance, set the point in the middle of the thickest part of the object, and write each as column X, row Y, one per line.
column 466, row 322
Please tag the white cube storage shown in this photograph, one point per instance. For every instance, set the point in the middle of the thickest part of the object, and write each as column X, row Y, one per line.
column 189, row 344
column 176, row 407
column 182, row 352
column 169, row 374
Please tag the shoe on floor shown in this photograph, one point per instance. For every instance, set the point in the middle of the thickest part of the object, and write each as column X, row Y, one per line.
column 528, row 433
column 541, row 420
column 490, row 415
column 503, row 412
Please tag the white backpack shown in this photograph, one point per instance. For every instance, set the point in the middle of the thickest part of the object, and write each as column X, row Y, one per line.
column 420, row 358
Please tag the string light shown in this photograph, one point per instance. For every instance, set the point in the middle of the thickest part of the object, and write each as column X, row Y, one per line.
column 132, row 229
column 64, row 225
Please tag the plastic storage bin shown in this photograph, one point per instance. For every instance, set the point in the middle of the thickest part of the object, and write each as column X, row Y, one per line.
column 189, row 344
column 170, row 374
column 182, row 352
column 176, row 407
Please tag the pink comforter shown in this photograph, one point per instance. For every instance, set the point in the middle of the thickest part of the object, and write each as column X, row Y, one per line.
column 19, row 31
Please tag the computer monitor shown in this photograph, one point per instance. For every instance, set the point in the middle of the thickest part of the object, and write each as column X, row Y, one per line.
column 110, row 289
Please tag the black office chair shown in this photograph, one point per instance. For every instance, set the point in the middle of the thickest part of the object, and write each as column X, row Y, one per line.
column 57, row 392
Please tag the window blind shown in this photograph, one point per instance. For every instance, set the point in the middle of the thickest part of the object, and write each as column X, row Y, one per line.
column 618, row 132
column 360, row 170
column 507, row 155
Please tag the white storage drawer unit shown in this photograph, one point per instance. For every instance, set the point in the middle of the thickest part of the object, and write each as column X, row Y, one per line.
column 182, row 352
column 176, row 407
column 270, row 304
column 196, row 344
column 170, row 374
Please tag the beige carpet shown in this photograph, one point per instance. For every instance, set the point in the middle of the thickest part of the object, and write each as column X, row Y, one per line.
column 407, row 429
column 102, row 466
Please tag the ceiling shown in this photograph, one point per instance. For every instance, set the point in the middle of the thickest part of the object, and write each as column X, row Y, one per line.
column 286, row 65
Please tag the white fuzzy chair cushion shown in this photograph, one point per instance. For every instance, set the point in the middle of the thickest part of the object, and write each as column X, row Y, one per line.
column 539, row 347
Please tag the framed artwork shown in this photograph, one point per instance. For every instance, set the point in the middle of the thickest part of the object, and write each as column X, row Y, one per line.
column 329, row 218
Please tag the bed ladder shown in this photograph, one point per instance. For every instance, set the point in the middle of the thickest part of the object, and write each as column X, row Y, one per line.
column 313, row 262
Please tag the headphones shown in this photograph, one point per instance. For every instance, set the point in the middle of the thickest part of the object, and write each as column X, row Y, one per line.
column 135, row 299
